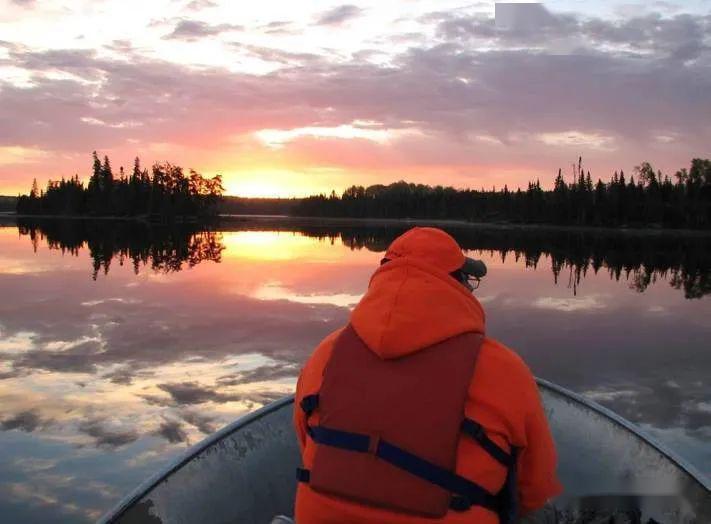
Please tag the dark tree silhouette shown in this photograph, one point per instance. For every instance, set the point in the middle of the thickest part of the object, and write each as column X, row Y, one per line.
column 654, row 200
column 683, row 261
column 164, row 194
column 164, row 249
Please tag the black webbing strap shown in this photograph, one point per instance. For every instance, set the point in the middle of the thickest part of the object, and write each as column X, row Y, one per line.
column 456, row 503
column 309, row 403
column 508, row 511
column 476, row 431
column 303, row 475
column 466, row 493
column 339, row 439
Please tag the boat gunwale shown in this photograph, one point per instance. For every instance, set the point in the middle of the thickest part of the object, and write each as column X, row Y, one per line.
column 149, row 484
column 682, row 463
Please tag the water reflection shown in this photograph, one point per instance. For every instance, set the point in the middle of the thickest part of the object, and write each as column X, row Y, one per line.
column 639, row 259
column 162, row 248
column 101, row 381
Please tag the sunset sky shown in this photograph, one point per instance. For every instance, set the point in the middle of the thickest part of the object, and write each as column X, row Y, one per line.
column 295, row 97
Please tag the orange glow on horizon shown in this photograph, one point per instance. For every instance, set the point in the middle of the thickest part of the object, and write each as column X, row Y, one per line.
column 295, row 183
column 272, row 183
column 257, row 172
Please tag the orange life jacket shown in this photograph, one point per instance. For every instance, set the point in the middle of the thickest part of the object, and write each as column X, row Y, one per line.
column 388, row 430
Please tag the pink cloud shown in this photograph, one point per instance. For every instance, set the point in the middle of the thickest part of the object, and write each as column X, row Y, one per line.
column 488, row 117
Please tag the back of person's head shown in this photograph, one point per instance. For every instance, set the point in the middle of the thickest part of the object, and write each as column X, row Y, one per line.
column 429, row 245
column 438, row 249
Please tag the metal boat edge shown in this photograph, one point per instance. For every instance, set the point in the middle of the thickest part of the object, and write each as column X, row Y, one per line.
column 691, row 470
column 146, row 486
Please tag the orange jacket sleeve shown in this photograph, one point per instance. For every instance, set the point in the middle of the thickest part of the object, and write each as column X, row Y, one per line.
column 537, row 479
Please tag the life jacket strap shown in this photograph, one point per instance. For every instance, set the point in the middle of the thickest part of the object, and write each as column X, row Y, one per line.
column 508, row 512
column 465, row 492
column 456, row 503
column 476, row 431
column 303, row 475
column 469, row 427
column 309, row 404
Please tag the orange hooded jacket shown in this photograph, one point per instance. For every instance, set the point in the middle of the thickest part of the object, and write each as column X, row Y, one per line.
column 412, row 302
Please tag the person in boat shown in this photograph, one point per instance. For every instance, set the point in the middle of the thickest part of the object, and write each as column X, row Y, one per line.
column 410, row 413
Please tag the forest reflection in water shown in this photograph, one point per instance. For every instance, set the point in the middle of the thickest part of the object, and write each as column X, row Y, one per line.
column 639, row 259
column 161, row 248
column 121, row 344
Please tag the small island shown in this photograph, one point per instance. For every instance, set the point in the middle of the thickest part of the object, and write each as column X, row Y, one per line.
column 165, row 193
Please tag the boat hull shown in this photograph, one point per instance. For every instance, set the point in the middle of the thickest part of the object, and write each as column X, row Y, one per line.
column 245, row 472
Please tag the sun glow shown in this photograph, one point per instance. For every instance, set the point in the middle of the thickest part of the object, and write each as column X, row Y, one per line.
column 275, row 183
column 275, row 246
column 256, row 188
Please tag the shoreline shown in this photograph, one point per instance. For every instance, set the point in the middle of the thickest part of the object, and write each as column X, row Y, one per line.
column 288, row 220
column 458, row 224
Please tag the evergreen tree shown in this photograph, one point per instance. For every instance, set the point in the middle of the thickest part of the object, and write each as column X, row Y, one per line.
column 34, row 192
column 176, row 196
column 167, row 193
column 106, row 176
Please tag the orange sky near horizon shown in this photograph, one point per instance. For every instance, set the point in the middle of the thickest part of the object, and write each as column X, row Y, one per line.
column 329, row 95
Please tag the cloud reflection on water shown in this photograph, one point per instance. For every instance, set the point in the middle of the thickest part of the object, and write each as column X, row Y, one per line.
column 107, row 379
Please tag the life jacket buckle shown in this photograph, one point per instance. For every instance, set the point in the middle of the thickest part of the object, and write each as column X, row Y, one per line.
column 473, row 429
column 373, row 444
column 309, row 403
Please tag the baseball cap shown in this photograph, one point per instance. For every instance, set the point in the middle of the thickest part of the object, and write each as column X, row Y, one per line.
column 473, row 267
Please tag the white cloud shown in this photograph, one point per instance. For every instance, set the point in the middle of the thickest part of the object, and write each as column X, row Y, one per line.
column 10, row 155
column 17, row 343
column 276, row 292
column 117, row 125
column 276, row 138
column 666, row 139
column 590, row 302
column 487, row 139
column 119, row 300
column 577, row 139
column 606, row 395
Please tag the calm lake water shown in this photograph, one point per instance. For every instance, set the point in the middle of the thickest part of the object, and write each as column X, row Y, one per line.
column 120, row 345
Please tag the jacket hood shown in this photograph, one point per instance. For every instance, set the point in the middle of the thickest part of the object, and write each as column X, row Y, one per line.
column 412, row 301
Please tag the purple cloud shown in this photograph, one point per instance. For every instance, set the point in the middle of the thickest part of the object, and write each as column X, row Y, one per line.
column 339, row 15
column 105, row 437
column 622, row 83
column 172, row 431
column 197, row 5
column 195, row 29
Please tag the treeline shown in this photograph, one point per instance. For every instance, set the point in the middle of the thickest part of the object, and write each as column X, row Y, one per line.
column 165, row 192
column 234, row 205
column 7, row 204
column 646, row 198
